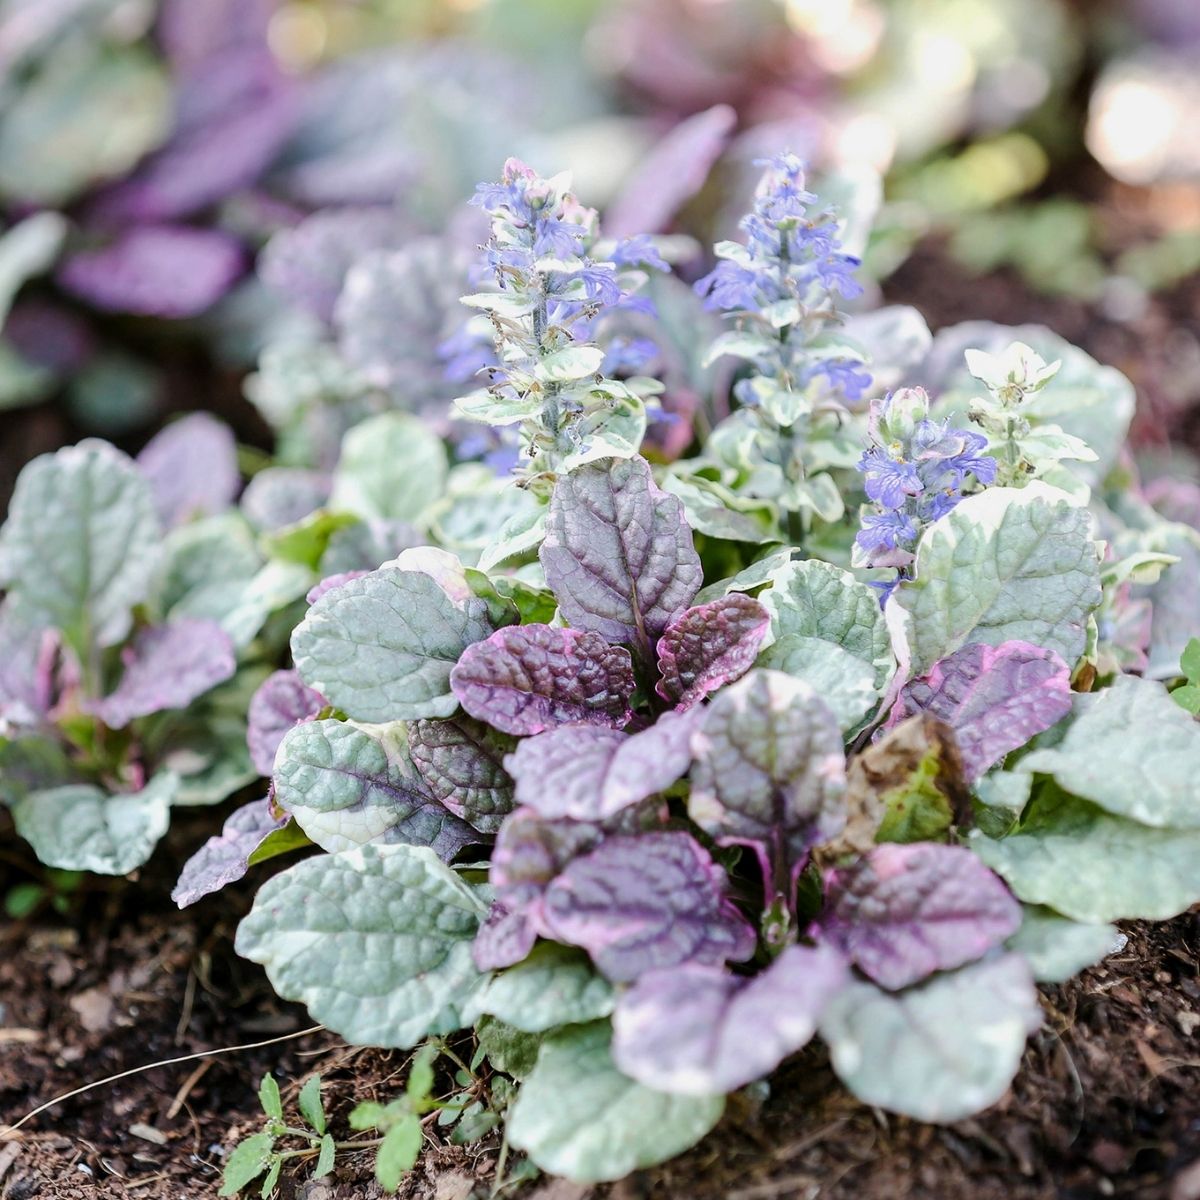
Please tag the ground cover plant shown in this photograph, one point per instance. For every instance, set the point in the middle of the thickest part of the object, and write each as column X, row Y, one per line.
column 853, row 724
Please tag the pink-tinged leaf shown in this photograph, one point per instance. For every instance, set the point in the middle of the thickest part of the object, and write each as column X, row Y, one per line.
column 671, row 174
column 700, row 1030
column 530, row 852
column 168, row 666
column 528, row 678
column 192, row 468
column 995, row 698
column 164, row 271
column 233, row 113
column 330, row 582
column 462, row 763
column 770, row 770
column 903, row 912
column 27, row 658
column 618, row 553
column 638, row 904
column 282, row 700
column 590, row 773
column 504, row 939
column 225, row 858
column 708, row 646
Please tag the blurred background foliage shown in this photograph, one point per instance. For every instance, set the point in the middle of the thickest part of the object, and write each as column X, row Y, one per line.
column 150, row 151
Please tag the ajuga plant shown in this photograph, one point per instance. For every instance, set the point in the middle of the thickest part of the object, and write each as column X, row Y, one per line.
column 134, row 602
column 662, row 809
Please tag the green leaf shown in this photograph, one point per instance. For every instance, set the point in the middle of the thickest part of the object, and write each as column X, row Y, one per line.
column 381, row 648
column 613, row 429
column 399, row 1151
column 573, row 362
column 309, row 1103
column 81, row 542
column 279, row 841
column 325, row 1158
column 1006, row 564
column 271, row 1181
column 1189, row 663
column 1188, row 698
column 80, row 828
column 367, row 1115
column 555, row 985
column 579, row 1117
column 392, row 465
column 268, row 1097
column 205, row 565
column 250, row 1158
column 306, row 541
column 747, row 579
column 420, row 1073
column 940, row 1051
column 375, row 941
column 1057, row 948
column 506, row 1048
column 346, row 787
column 1131, row 750
column 715, row 511
column 845, row 682
column 88, row 114
column 1091, row 866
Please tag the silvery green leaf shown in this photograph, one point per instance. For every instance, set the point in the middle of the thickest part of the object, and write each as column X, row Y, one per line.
column 770, row 769
column 1057, row 948
column 916, row 1052
column 32, row 763
column 246, row 606
column 26, row 250
column 717, row 512
column 579, row 1117
column 366, row 545
column 520, row 534
column 747, row 579
column 1092, row 866
column 375, row 941
column 461, row 761
column 87, row 114
column 81, row 828
column 555, row 985
column 391, row 466
column 1133, row 751
column 480, row 509
column 845, row 682
column 81, row 542
column 500, row 408
column 618, row 553
column 1090, row 401
column 1174, row 600
column 1008, row 564
column 614, row 429
column 569, row 364
column 697, row 1030
column 280, row 497
column 346, row 787
column 204, row 564
column 381, row 648
column 895, row 338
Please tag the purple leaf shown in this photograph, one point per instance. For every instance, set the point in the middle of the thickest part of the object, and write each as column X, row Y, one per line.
column 700, row 1030
column 530, row 852
column 708, row 646
column 770, row 770
column 527, row 678
column 164, row 271
column 904, row 911
column 224, row 859
column 504, row 939
column 191, row 33
column 192, row 468
column 618, row 553
column 462, row 762
column 234, row 111
column 636, row 904
column 282, row 700
column 168, row 666
column 995, row 698
column 671, row 173
column 330, row 582
column 589, row 773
